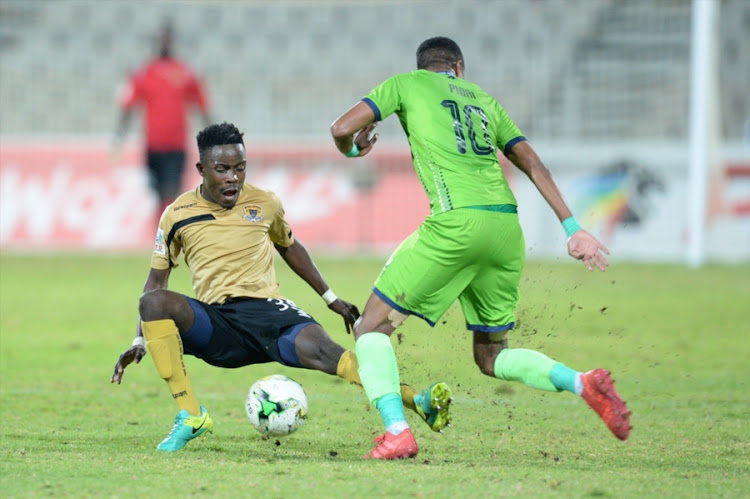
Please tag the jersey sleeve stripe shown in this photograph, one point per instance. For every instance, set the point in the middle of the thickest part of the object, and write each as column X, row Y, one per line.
column 183, row 223
column 373, row 106
column 187, row 221
column 511, row 143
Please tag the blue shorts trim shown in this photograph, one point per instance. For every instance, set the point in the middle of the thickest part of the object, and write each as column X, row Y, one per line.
column 195, row 341
column 400, row 308
column 490, row 329
column 286, row 344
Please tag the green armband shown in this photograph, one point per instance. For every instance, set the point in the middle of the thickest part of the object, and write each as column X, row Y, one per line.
column 571, row 226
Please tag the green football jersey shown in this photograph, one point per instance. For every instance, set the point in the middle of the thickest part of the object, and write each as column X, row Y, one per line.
column 454, row 130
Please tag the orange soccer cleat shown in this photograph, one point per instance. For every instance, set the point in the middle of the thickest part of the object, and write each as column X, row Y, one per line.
column 600, row 394
column 392, row 446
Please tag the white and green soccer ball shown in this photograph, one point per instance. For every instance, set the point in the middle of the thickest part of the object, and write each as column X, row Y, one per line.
column 276, row 405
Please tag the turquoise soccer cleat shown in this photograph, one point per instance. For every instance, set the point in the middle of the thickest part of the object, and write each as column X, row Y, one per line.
column 433, row 405
column 186, row 428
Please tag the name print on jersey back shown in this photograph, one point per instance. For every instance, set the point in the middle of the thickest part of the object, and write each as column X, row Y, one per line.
column 461, row 91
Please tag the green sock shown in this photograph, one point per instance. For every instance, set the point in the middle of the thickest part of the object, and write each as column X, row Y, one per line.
column 378, row 369
column 527, row 366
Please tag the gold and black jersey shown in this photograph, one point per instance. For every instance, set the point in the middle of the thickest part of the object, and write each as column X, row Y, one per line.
column 230, row 252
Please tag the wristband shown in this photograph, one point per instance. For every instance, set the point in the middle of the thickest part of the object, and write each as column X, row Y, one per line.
column 329, row 297
column 139, row 341
column 571, row 226
column 354, row 152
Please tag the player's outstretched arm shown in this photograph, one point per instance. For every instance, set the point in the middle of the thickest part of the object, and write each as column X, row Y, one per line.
column 157, row 279
column 581, row 244
column 300, row 261
column 525, row 158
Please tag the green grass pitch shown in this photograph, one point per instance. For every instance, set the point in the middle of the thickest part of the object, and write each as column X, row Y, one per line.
column 676, row 340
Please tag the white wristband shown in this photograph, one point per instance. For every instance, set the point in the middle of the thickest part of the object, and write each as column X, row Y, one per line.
column 139, row 341
column 329, row 297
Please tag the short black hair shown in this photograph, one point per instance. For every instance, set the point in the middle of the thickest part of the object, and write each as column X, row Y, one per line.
column 438, row 51
column 218, row 135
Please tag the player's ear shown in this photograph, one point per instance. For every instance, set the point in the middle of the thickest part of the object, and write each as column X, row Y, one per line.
column 199, row 167
column 460, row 68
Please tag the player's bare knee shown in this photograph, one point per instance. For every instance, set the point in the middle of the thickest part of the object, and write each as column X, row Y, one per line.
column 360, row 329
column 386, row 326
column 156, row 304
column 150, row 304
column 486, row 349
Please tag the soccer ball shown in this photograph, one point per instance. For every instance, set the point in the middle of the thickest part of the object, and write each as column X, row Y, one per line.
column 276, row 405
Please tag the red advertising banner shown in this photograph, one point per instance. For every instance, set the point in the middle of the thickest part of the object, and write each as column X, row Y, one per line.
column 78, row 195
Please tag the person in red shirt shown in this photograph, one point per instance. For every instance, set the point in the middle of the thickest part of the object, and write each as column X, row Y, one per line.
column 166, row 88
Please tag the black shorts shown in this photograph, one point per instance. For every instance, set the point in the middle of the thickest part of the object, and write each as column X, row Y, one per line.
column 165, row 172
column 244, row 331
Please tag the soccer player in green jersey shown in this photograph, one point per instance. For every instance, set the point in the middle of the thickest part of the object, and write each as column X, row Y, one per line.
column 469, row 248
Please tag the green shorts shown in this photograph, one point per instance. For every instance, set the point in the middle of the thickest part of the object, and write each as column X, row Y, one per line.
column 474, row 255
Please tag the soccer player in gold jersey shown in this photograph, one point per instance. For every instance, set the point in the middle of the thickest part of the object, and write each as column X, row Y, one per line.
column 227, row 230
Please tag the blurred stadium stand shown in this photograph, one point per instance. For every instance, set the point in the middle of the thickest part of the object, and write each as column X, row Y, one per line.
column 574, row 69
column 601, row 87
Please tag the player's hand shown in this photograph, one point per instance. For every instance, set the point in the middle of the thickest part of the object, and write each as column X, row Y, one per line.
column 364, row 141
column 583, row 246
column 132, row 354
column 349, row 312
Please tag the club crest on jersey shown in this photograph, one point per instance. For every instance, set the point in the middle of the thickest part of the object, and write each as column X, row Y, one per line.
column 253, row 213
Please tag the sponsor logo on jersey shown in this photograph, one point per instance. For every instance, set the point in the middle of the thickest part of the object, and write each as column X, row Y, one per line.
column 253, row 213
column 159, row 243
column 190, row 205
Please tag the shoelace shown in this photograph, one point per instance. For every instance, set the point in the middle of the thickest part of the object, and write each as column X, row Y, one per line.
column 171, row 432
column 176, row 425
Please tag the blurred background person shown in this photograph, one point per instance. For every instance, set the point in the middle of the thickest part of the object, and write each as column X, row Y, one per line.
column 166, row 88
